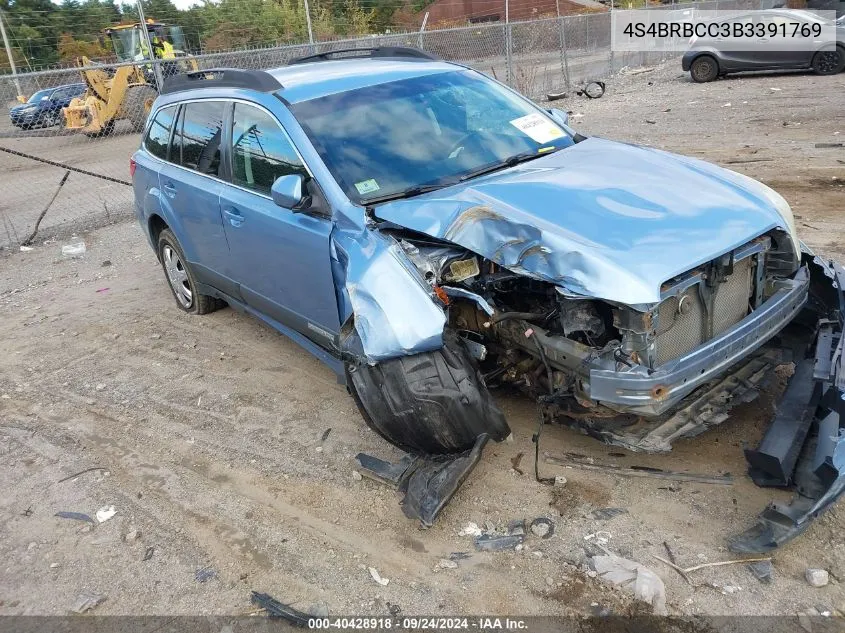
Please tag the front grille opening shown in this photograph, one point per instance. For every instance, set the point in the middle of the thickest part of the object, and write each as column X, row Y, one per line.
column 684, row 323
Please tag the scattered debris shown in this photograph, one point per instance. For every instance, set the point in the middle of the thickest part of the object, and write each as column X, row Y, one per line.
column 77, row 516
column 81, row 472
column 26, row 249
column 762, row 571
column 491, row 541
column 105, row 263
column 276, row 609
column 727, row 105
column 592, row 90
column 428, row 482
column 605, row 514
column 105, row 513
column 643, row 471
column 634, row 578
column 725, row 589
column 554, row 96
column 447, row 563
column 73, row 250
column 394, row 609
column 601, row 537
column 148, row 554
column 374, row 573
column 775, row 89
column 686, row 571
column 459, row 556
column 87, row 601
column 817, row 577
column 542, row 527
column 636, row 71
column 560, row 481
column 325, row 435
column 204, row 574
column 132, row 535
column 470, row 529
column 829, row 145
column 652, row 121
column 515, row 460
column 357, row 476
column 28, row 512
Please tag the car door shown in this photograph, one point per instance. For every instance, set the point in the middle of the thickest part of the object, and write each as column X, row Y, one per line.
column 280, row 257
column 191, row 185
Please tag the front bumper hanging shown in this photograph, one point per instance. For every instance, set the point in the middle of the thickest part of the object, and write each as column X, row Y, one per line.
column 804, row 448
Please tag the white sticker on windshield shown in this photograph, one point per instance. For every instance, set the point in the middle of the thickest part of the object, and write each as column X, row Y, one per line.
column 366, row 186
column 538, row 127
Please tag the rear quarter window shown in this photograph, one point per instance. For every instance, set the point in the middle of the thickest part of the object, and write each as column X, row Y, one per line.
column 158, row 135
column 199, row 135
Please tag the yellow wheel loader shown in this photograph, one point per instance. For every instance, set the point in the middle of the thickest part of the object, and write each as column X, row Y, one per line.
column 127, row 92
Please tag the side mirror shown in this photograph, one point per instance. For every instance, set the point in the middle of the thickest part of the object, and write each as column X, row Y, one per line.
column 287, row 191
column 561, row 116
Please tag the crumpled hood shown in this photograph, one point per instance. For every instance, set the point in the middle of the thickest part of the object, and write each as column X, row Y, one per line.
column 601, row 219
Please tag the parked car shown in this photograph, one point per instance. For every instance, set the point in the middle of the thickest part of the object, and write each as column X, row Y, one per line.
column 427, row 232
column 709, row 58
column 44, row 108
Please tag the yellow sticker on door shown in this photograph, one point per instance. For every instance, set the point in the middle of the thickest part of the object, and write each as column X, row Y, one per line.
column 367, row 186
column 538, row 128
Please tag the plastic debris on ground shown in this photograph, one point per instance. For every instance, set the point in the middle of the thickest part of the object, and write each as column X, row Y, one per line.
column 77, row 516
column 377, row 577
column 762, row 570
column 105, row 513
column 605, row 514
column 204, row 574
column 87, row 601
column 74, row 250
column 276, row 609
column 634, row 578
column 493, row 541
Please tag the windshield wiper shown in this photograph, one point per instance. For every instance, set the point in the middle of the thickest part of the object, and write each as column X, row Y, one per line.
column 410, row 192
column 509, row 162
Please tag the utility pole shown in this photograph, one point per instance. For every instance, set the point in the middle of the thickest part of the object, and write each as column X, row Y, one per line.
column 146, row 35
column 9, row 54
column 308, row 22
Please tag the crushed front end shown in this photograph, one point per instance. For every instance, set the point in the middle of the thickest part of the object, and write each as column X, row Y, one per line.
column 642, row 376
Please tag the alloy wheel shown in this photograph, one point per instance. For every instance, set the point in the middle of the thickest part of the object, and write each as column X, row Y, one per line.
column 177, row 276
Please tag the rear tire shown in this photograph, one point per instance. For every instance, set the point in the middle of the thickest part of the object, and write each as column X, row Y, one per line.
column 107, row 129
column 181, row 279
column 430, row 403
column 137, row 104
column 829, row 62
column 704, row 68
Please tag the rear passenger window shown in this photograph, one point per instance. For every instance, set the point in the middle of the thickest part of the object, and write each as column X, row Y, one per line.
column 261, row 151
column 159, row 134
column 198, row 134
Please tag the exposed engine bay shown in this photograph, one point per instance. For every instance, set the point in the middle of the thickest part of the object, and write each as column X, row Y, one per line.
column 533, row 335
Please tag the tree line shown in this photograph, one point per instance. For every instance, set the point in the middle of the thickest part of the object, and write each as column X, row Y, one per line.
column 44, row 34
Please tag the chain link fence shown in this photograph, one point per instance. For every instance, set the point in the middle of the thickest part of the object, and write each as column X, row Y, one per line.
column 58, row 180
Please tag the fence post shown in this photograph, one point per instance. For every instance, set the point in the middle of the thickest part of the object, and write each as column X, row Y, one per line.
column 508, row 46
column 146, row 35
column 564, row 61
column 422, row 30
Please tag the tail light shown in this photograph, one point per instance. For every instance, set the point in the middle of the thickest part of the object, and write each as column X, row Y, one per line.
column 131, row 167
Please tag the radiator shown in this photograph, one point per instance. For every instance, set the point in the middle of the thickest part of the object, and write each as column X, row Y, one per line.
column 681, row 331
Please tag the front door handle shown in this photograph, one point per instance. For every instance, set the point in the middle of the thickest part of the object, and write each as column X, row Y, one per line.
column 170, row 189
column 234, row 216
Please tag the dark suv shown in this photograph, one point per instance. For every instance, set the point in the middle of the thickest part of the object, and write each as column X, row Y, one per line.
column 44, row 108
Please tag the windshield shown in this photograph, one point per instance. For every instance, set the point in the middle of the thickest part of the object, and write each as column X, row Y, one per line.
column 383, row 140
column 40, row 95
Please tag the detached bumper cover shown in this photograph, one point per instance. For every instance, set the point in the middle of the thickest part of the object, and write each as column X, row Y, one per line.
column 807, row 451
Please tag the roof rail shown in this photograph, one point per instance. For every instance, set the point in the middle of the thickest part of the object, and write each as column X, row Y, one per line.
column 222, row 78
column 375, row 51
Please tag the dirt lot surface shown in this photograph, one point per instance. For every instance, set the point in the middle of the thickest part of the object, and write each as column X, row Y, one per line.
column 208, row 431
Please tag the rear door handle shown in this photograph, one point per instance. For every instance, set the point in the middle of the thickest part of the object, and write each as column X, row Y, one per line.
column 170, row 189
column 234, row 216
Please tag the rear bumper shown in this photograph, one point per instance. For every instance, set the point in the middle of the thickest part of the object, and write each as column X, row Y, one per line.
column 644, row 393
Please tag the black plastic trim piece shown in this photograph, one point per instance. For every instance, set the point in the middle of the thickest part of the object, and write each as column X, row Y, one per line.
column 259, row 80
column 376, row 51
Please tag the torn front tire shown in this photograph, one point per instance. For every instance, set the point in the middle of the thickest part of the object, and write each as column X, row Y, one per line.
column 430, row 403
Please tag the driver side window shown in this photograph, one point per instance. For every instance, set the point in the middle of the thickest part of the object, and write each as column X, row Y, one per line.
column 261, row 150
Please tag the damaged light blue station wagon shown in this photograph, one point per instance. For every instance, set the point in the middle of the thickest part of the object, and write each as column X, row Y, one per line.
column 428, row 233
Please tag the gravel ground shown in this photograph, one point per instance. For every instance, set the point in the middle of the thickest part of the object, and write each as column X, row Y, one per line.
column 207, row 432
